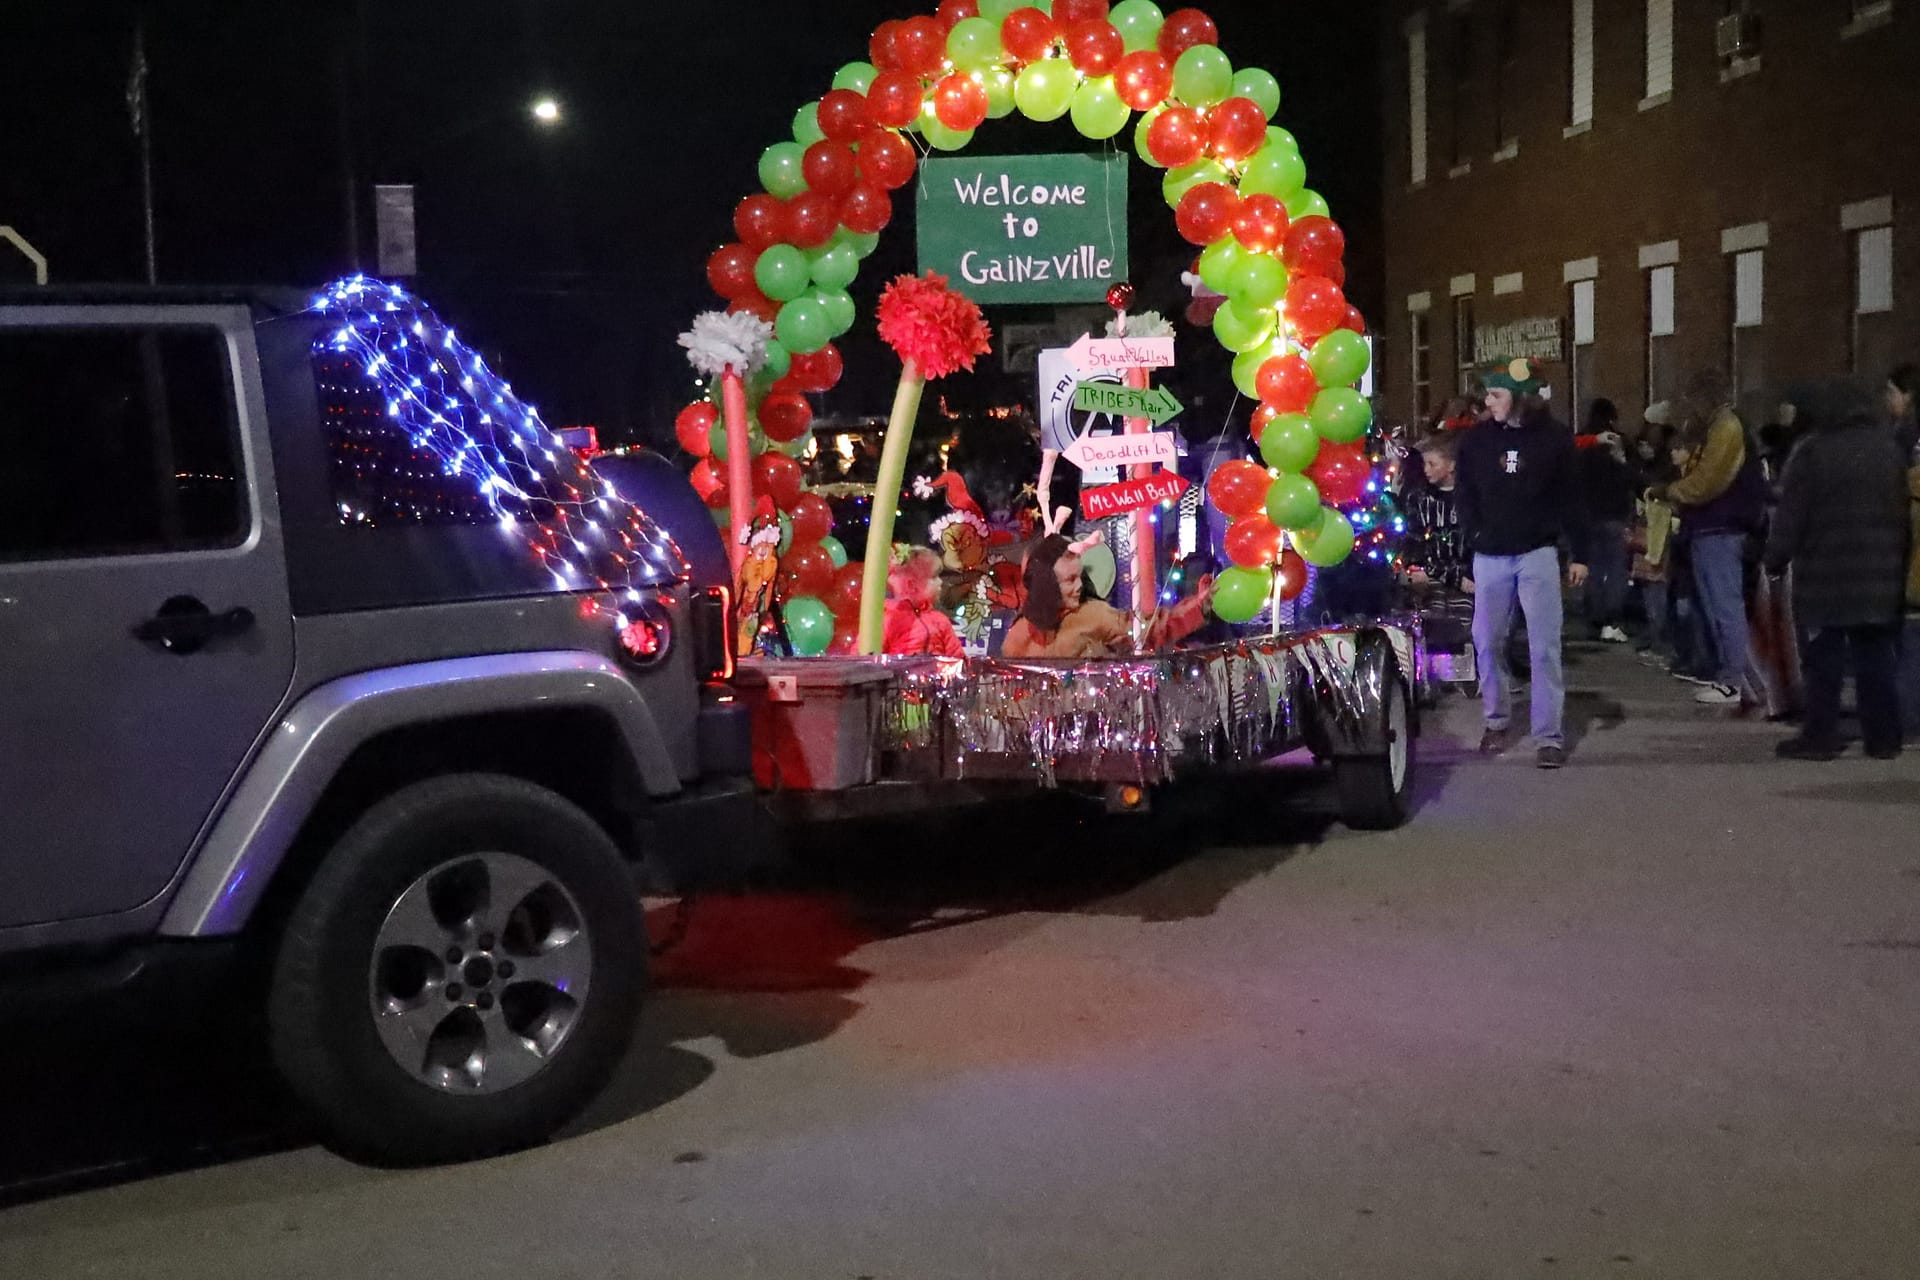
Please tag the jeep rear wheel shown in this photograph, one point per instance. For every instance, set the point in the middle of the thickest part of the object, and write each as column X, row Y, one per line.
column 462, row 975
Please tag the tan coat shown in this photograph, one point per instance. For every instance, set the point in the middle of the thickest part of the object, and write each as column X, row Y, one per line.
column 1094, row 630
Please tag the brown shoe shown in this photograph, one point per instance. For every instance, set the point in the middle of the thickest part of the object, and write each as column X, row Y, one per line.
column 1552, row 758
column 1493, row 742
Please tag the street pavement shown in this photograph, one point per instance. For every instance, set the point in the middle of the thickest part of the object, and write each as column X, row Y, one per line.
column 1657, row 1015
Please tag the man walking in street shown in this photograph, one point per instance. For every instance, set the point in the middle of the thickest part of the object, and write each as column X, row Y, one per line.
column 1519, row 494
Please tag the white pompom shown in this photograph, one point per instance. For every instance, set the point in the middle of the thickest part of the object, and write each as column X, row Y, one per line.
column 720, row 340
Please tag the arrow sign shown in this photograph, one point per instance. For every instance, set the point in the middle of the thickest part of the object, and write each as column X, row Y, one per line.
column 1090, row 453
column 1134, row 495
column 1156, row 404
column 1112, row 355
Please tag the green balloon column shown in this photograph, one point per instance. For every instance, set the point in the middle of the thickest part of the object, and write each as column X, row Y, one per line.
column 1237, row 185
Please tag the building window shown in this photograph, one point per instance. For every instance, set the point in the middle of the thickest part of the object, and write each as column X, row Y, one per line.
column 1464, row 83
column 1417, row 102
column 1873, row 334
column 1580, row 300
column 1749, row 314
column 1506, row 58
column 1464, row 366
column 1864, row 12
column 1581, row 112
column 1420, row 341
column 1660, row 327
column 1659, row 51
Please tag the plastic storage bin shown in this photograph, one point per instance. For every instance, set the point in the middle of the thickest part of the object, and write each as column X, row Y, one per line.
column 818, row 723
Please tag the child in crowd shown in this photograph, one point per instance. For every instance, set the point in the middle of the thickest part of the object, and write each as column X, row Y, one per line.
column 914, row 624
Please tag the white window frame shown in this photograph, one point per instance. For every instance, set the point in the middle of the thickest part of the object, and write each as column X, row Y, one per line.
column 1417, row 131
column 1659, row 64
column 1580, row 109
column 1749, row 288
column 1661, row 317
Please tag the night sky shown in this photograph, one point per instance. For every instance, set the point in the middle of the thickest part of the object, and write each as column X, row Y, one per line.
column 573, row 255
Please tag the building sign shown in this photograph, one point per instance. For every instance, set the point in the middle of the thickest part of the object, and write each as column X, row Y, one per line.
column 1026, row 229
column 1536, row 339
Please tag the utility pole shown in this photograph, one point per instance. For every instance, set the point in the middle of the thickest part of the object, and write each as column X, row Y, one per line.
column 138, row 113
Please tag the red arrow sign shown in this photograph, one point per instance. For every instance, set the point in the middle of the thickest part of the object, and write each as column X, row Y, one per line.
column 1134, row 495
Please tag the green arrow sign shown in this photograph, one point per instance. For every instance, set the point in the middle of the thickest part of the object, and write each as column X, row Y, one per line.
column 1156, row 404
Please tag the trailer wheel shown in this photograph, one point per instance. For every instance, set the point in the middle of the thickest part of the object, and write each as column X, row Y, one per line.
column 1376, row 792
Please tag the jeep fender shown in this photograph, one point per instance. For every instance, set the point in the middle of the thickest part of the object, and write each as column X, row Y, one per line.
column 255, row 831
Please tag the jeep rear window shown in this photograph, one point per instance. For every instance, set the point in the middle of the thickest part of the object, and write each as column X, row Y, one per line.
column 117, row 441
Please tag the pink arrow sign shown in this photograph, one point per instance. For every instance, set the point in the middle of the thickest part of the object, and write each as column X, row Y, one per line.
column 1092, row 452
column 1113, row 355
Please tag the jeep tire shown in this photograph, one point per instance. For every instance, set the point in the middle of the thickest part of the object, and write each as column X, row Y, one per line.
column 1376, row 791
column 461, row 976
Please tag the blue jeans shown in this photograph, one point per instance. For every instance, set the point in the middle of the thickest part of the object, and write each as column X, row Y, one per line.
column 1533, row 581
column 1719, row 578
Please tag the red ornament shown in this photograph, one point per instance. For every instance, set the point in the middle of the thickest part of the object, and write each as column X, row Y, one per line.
column 1236, row 129
column 843, row 596
column 778, row 477
column 960, row 102
column 1207, row 211
column 932, row 327
column 1253, row 542
column 1239, row 488
column 785, row 417
column 812, row 519
column 694, row 426
column 1293, row 574
column 1143, row 79
column 1287, row 384
column 1185, row 29
column 880, row 49
column 867, row 209
column 1355, row 321
column 1315, row 306
column 1342, row 472
column 952, row 13
column 1094, row 46
column 1313, row 246
column 894, row 99
column 730, row 271
column 709, row 483
column 887, row 159
column 920, row 45
column 819, row 371
column 1068, row 12
column 1177, row 137
column 843, row 116
column 830, row 168
column 812, row 218
column 1027, row 34
column 1260, row 225
column 1121, row 296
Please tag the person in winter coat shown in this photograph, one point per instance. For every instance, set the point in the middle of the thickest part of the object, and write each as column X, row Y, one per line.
column 1607, row 484
column 1903, row 406
column 914, row 623
column 1843, row 527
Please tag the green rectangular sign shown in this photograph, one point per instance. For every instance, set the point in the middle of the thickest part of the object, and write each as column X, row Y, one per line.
column 1026, row 229
column 1156, row 404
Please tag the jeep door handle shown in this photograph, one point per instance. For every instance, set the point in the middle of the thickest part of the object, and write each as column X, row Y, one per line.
column 184, row 625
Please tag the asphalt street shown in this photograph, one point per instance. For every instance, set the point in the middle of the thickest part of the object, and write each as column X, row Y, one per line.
column 1657, row 1015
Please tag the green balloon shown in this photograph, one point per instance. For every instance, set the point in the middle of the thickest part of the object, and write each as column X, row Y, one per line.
column 781, row 169
column 1261, row 87
column 809, row 626
column 1044, row 90
column 996, row 11
column 941, row 138
column 1329, row 543
column 1258, row 280
column 974, row 44
column 833, row 266
column 1289, row 443
column 721, row 516
column 1278, row 137
column 862, row 245
column 1097, row 109
column 1203, row 76
column 1242, row 327
column 804, row 326
column 779, row 362
column 1177, row 183
column 1240, row 594
column 856, row 76
column 781, row 272
column 1141, row 132
column 835, row 548
column 1305, row 204
column 1275, row 171
column 1218, row 261
column 806, row 125
column 1341, row 415
column 1293, row 502
column 786, row 534
column 717, row 440
column 1139, row 23
column 1000, row 83
column 792, row 448
column 838, row 304
column 1340, row 359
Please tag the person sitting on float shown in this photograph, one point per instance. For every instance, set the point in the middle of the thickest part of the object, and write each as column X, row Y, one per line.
column 914, row 625
column 1062, row 619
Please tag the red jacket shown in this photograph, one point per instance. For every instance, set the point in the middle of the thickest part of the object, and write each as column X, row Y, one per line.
column 916, row 628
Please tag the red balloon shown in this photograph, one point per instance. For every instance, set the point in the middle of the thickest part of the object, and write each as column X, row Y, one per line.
column 812, row 519
column 1287, row 384
column 786, row 387
column 1315, row 306
column 1185, row 29
column 952, row 13
column 730, row 271
column 807, row 569
column 843, row 116
column 920, row 46
column 1027, row 34
column 1342, row 472
column 812, row 218
column 830, row 168
column 694, row 426
column 1263, row 418
column 1144, row 80
column 1068, row 12
column 1095, row 47
column 960, row 102
column 1313, row 246
column 1253, row 542
column 887, row 159
column 880, row 50
column 785, row 417
column 1337, row 272
column 756, row 303
column 1260, row 225
column 846, row 639
column 1236, row 129
column 1177, row 137
column 1355, row 321
column 894, row 100
column 1239, row 488
column 867, row 209
column 1293, row 574
column 1206, row 212
column 709, row 483
column 819, row 371
column 760, row 221
column 778, row 477
column 843, row 597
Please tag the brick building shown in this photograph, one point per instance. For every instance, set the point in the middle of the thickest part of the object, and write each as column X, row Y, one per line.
column 1630, row 189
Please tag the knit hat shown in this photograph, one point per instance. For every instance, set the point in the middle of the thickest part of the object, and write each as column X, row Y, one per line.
column 1518, row 376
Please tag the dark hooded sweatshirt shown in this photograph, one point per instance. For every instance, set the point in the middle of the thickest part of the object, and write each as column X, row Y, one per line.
column 1519, row 488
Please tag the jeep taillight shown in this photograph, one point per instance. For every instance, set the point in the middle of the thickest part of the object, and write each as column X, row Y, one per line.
column 713, row 633
column 644, row 635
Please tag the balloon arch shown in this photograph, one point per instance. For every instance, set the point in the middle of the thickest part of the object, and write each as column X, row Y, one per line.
column 1236, row 183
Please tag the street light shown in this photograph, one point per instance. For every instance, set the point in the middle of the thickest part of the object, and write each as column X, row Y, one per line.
column 546, row 111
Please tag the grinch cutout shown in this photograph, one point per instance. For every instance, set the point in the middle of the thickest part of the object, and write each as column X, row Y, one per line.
column 759, row 569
